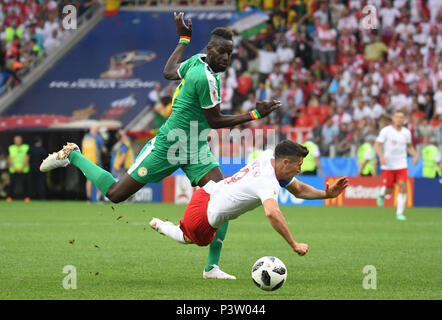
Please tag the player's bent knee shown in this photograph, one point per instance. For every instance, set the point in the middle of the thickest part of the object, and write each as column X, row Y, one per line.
column 115, row 196
column 187, row 240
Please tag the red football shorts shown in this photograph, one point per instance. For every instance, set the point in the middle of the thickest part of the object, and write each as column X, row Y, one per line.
column 389, row 177
column 194, row 223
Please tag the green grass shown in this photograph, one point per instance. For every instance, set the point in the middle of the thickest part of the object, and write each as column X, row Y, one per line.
column 125, row 259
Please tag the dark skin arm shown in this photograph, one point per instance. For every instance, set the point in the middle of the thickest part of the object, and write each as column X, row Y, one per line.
column 250, row 46
column 174, row 61
column 218, row 120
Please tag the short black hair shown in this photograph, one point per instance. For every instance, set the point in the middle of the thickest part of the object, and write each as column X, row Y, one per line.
column 290, row 149
column 222, row 32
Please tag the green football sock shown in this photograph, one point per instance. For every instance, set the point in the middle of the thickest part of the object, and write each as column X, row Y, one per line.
column 216, row 246
column 99, row 177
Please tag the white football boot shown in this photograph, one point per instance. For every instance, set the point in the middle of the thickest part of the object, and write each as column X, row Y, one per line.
column 58, row 159
column 156, row 224
column 217, row 273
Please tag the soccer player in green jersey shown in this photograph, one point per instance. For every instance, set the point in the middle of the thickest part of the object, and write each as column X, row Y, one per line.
column 195, row 110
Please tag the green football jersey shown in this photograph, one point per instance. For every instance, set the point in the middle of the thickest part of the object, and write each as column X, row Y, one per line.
column 199, row 89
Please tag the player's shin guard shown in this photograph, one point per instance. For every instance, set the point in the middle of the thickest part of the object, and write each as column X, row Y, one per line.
column 216, row 246
column 99, row 177
column 401, row 202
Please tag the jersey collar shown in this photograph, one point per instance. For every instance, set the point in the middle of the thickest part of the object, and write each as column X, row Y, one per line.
column 210, row 69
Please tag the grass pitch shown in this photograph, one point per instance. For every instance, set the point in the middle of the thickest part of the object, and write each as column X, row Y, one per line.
column 118, row 256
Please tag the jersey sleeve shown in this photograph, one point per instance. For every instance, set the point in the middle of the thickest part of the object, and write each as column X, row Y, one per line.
column 408, row 137
column 382, row 136
column 208, row 89
column 268, row 190
column 184, row 67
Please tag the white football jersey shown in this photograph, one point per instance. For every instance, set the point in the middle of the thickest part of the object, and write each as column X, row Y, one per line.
column 242, row 192
column 394, row 147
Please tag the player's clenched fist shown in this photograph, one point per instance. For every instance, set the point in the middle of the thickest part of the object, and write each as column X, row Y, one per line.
column 181, row 27
column 301, row 248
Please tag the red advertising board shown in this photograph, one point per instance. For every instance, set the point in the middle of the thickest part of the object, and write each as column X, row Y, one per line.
column 177, row 189
column 363, row 192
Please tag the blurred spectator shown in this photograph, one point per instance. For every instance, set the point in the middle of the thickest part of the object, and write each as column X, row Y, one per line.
column 327, row 38
column 51, row 42
column 250, row 103
column 376, row 109
column 123, row 154
column 154, row 95
column 36, row 155
column 92, row 148
column 399, row 101
column 295, row 93
column 322, row 13
column 226, row 98
column 405, row 29
column 275, row 79
column 389, row 15
column 362, row 110
column 303, row 48
column 367, row 157
column 341, row 116
column 329, row 133
column 267, row 59
column 4, row 174
column 162, row 111
column 432, row 161
column 315, row 134
column 375, row 49
column 263, row 93
column 345, row 139
column 438, row 101
column 312, row 162
column 285, row 55
column 425, row 131
column 18, row 161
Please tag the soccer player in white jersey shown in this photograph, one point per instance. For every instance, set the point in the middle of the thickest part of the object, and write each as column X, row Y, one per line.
column 395, row 140
column 257, row 183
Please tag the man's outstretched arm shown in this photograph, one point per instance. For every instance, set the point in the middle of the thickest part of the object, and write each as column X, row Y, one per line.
column 279, row 223
column 304, row 191
column 218, row 120
column 174, row 61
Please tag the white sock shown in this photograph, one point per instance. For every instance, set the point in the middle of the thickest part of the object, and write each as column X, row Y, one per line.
column 172, row 231
column 401, row 201
column 382, row 192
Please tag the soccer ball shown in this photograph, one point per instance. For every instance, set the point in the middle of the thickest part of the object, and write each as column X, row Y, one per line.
column 269, row 273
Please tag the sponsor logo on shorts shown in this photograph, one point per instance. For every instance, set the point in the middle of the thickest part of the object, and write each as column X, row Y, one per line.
column 142, row 172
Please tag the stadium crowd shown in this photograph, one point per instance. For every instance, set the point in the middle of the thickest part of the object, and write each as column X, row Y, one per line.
column 336, row 77
column 29, row 31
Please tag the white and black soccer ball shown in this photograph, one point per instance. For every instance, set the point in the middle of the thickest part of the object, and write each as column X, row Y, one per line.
column 269, row 273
